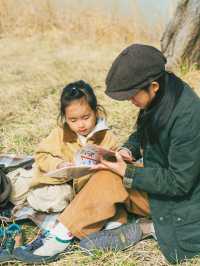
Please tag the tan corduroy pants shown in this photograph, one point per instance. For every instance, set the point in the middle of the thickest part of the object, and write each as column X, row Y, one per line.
column 103, row 198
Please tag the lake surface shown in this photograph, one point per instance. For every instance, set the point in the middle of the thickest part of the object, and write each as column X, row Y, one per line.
column 150, row 9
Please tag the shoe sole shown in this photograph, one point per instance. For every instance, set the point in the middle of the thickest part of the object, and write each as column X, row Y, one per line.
column 7, row 258
column 29, row 258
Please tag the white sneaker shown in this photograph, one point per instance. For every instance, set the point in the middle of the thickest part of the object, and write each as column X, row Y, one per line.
column 112, row 225
column 52, row 245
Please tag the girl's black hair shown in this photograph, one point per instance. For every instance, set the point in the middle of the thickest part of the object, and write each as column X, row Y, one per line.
column 151, row 121
column 74, row 91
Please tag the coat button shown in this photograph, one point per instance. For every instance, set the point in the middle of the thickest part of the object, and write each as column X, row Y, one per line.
column 161, row 218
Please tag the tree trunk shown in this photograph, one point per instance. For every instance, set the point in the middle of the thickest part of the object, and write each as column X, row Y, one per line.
column 181, row 40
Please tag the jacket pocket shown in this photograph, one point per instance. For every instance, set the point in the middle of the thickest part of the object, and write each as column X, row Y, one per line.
column 187, row 227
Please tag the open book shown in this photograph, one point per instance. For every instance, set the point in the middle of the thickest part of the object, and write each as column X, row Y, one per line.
column 91, row 154
column 71, row 172
column 84, row 159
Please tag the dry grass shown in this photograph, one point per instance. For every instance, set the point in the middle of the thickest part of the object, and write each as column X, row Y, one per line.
column 42, row 49
column 26, row 18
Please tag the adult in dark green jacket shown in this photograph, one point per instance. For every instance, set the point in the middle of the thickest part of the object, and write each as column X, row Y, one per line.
column 167, row 136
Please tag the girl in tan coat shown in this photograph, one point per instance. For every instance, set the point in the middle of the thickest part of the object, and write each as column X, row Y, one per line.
column 100, row 198
column 82, row 122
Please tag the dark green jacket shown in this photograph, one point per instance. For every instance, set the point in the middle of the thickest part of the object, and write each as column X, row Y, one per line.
column 171, row 177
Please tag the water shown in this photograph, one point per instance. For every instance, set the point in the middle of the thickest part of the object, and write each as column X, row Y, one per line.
column 150, row 9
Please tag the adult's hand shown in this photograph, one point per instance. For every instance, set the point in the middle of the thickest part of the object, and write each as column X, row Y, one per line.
column 126, row 154
column 118, row 167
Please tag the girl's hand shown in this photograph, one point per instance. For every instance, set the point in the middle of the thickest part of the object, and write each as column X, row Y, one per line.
column 118, row 167
column 126, row 154
column 63, row 164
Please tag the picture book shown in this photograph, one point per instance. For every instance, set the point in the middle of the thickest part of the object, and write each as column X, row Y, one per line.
column 86, row 157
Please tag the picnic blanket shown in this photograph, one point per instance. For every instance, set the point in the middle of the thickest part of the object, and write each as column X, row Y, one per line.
column 11, row 162
column 44, row 221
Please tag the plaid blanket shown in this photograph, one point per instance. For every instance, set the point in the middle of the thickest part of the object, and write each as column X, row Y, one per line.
column 11, row 161
column 44, row 221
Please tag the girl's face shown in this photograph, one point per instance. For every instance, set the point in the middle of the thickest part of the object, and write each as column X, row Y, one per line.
column 80, row 117
column 143, row 98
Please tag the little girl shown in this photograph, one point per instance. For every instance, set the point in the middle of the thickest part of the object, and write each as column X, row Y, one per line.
column 100, row 199
column 81, row 122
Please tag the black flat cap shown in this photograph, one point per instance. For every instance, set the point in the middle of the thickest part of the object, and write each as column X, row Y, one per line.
column 134, row 68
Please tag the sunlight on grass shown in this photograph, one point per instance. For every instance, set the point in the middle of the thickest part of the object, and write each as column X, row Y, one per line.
column 41, row 51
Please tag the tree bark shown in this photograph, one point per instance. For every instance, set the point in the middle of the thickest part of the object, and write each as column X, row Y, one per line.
column 181, row 39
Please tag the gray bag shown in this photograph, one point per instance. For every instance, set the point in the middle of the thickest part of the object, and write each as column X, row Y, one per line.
column 9, row 163
column 5, row 188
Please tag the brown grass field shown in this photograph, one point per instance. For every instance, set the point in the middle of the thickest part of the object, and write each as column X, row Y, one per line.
column 42, row 49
